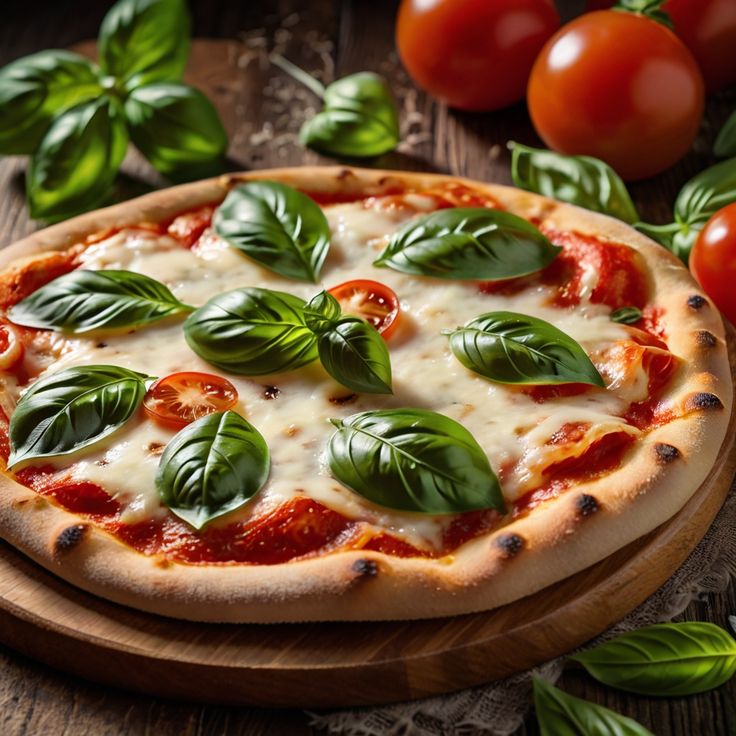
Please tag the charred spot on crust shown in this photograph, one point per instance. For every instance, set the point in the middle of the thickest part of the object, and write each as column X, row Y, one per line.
column 101, row 345
column 702, row 400
column 163, row 563
column 342, row 400
column 695, row 301
column 666, row 453
column 366, row 568
column 271, row 392
column 69, row 538
column 510, row 545
column 586, row 505
column 706, row 339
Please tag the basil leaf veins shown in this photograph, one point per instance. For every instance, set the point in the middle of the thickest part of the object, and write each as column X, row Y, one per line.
column 468, row 243
column 507, row 347
column 72, row 409
column 82, row 301
column 413, row 460
column 277, row 226
column 211, row 467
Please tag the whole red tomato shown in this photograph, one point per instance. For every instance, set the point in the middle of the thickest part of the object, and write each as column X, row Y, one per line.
column 713, row 260
column 473, row 54
column 620, row 87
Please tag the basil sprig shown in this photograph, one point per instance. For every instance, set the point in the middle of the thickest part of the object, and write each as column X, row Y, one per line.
column 277, row 226
column 664, row 659
column 82, row 301
column 507, row 347
column 626, row 315
column 581, row 180
column 72, row 409
column 698, row 200
column 468, row 243
column 725, row 144
column 359, row 117
column 75, row 117
column 211, row 467
column 413, row 460
column 560, row 714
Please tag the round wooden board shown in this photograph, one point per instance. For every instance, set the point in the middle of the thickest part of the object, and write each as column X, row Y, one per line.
column 341, row 664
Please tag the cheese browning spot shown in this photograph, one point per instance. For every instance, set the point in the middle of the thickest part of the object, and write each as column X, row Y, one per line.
column 706, row 339
column 702, row 400
column 510, row 545
column 586, row 505
column 366, row 568
column 696, row 302
column 342, row 400
column 666, row 453
column 271, row 392
column 155, row 448
column 69, row 538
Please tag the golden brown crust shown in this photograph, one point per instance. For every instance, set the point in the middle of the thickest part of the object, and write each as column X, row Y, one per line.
column 559, row 538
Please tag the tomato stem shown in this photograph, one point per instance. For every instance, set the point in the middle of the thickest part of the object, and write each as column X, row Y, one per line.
column 651, row 9
column 299, row 74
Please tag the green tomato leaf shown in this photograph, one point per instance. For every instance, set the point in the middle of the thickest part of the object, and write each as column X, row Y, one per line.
column 671, row 660
column 321, row 312
column 74, row 408
column 145, row 41
column 413, row 460
column 725, row 144
column 82, row 301
column 355, row 355
column 211, row 467
column 581, row 180
column 35, row 89
column 507, row 347
column 252, row 332
column 77, row 161
column 277, row 226
column 560, row 714
column 177, row 129
column 626, row 315
column 468, row 243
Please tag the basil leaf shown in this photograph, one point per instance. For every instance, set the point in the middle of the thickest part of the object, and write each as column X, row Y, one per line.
column 581, row 180
column 77, row 161
column 81, row 301
column 321, row 312
column 665, row 659
column 355, row 355
column 277, row 226
column 507, row 347
column 74, row 408
column 468, row 243
column 177, row 129
column 35, row 89
column 145, row 41
column 413, row 460
column 560, row 714
column 725, row 144
column 252, row 332
column 626, row 315
column 732, row 621
column 211, row 467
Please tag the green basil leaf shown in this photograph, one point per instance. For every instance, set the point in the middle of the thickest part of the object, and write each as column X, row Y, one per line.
column 35, row 89
column 355, row 355
column 507, row 347
column 468, row 243
column 321, row 312
column 360, row 118
column 145, row 41
column 252, row 332
column 77, row 161
column 560, row 714
column 277, row 226
column 177, row 129
column 725, row 144
column 74, row 408
column 211, row 467
column 665, row 659
column 626, row 315
column 413, row 460
column 651, row 9
column 82, row 301
column 581, row 180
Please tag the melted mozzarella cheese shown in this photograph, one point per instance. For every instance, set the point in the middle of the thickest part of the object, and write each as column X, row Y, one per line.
column 508, row 424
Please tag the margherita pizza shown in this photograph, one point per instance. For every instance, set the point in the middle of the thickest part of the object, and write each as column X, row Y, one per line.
column 334, row 394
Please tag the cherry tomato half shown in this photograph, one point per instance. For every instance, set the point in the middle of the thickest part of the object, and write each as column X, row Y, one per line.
column 473, row 54
column 713, row 260
column 636, row 103
column 181, row 398
column 11, row 347
column 372, row 301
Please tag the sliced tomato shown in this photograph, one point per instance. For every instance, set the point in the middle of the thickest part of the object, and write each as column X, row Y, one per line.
column 370, row 300
column 181, row 398
column 11, row 347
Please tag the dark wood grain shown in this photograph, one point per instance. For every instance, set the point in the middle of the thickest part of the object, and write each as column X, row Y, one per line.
column 333, row 38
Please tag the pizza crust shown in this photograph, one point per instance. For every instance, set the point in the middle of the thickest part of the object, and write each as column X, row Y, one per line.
column 563, row 536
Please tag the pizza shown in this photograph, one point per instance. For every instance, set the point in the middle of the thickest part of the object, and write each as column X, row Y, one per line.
column 339, row 394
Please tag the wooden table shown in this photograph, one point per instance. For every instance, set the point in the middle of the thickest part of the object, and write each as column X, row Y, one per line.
column 263, row 112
